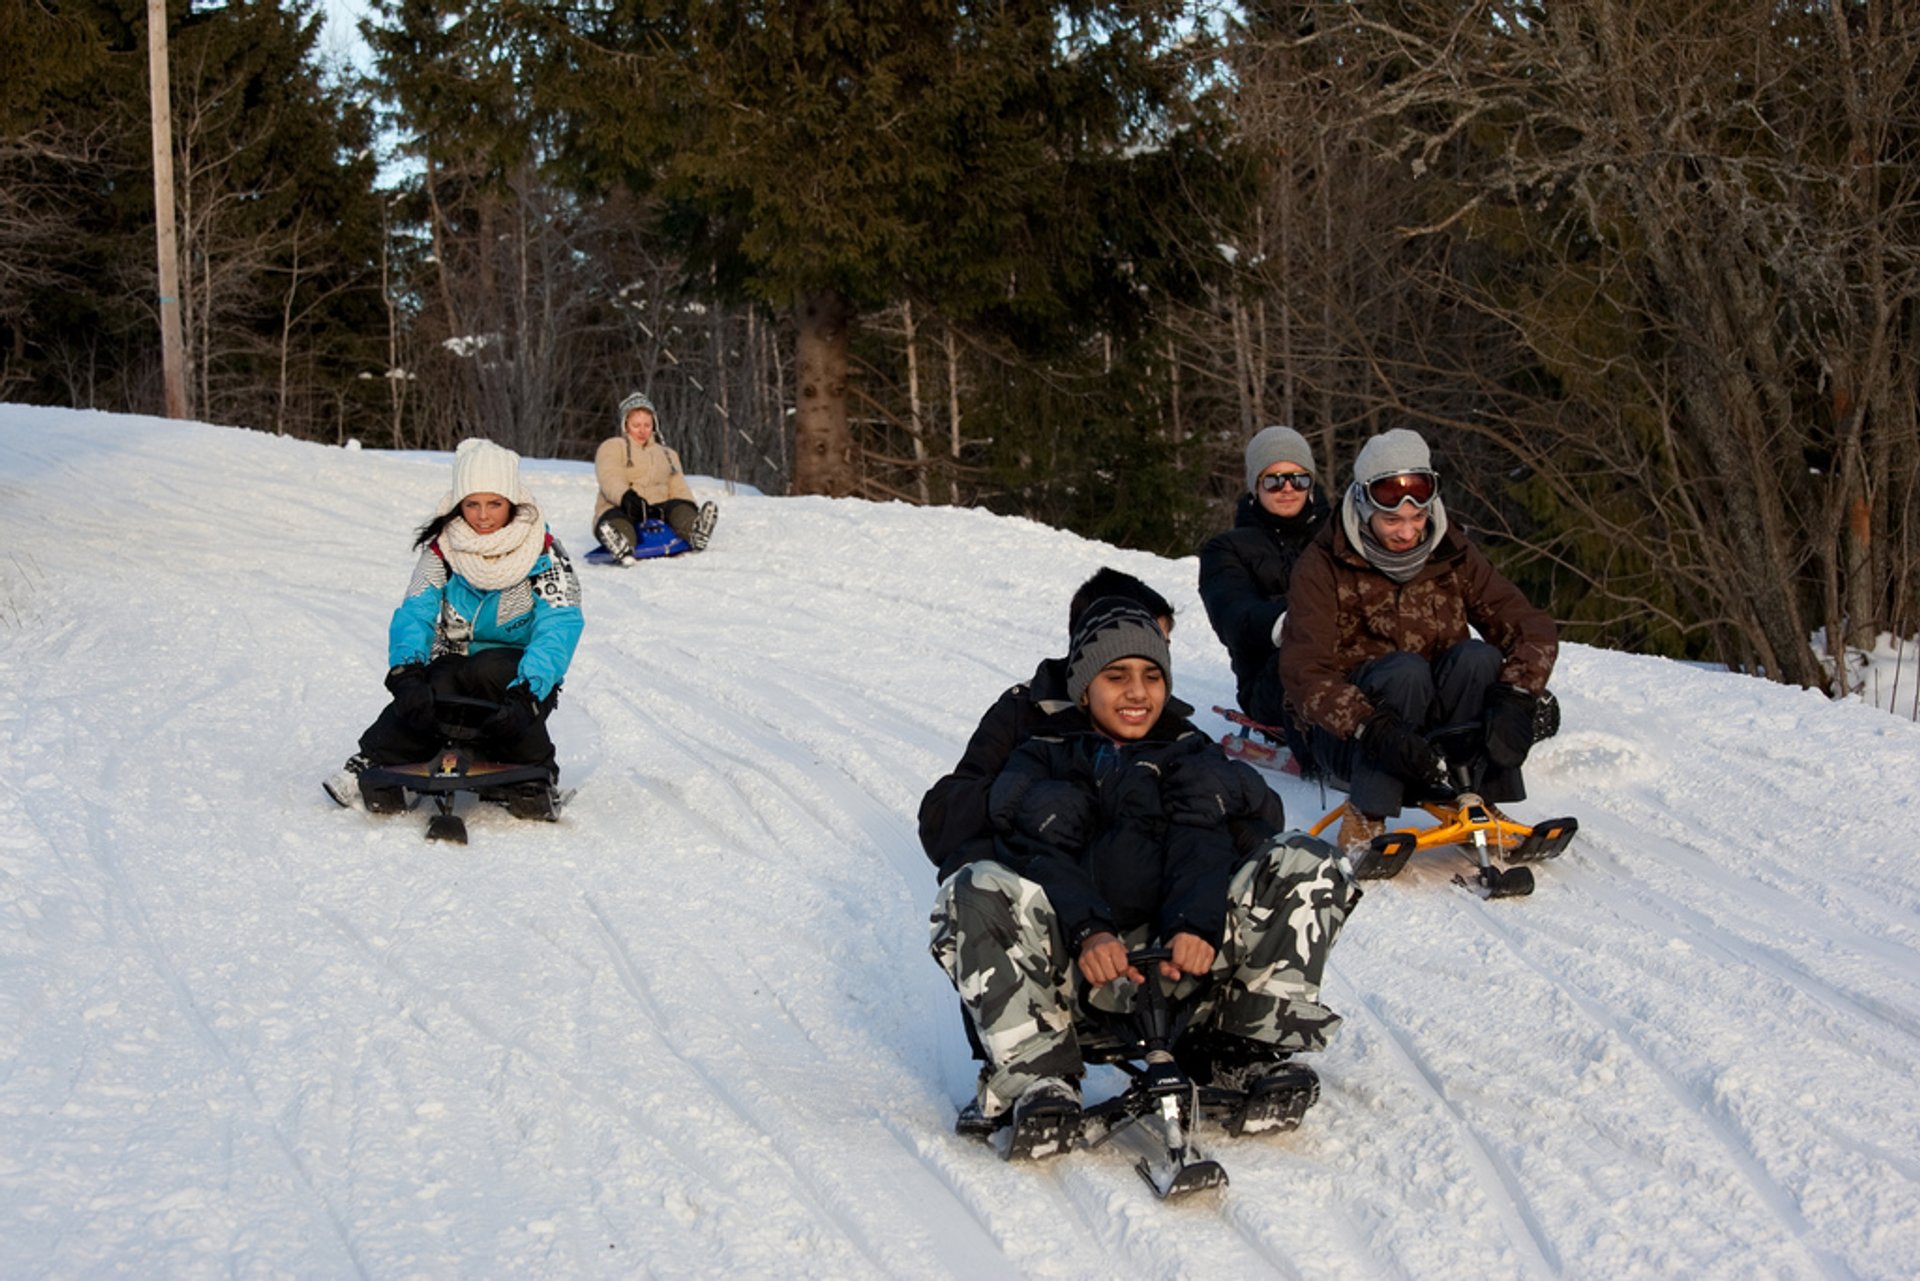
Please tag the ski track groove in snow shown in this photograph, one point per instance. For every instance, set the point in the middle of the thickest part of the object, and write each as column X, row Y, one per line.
column 1664, row 918
column 126, row 902
column 1734, row 1141
column 692, row 1028
column 805, row 1181
column 1500, row 1186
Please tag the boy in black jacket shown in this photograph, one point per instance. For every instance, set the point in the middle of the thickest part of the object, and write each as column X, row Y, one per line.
column 954, row 828
column 1120, row 824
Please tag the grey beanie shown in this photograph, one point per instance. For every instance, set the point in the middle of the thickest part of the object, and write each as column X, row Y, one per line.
column 638, row 400
column 1114, row 628
column 1390, row 453
column 1272, row 445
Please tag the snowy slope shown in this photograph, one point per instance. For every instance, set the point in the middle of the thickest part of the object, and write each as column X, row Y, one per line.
column 692, row 1030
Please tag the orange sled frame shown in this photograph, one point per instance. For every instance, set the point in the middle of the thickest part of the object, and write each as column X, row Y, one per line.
column 1469, row 822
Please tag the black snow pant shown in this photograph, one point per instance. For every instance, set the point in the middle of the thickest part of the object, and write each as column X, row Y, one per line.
column 1449, row 693
column 1263, row 700
column 400, row 735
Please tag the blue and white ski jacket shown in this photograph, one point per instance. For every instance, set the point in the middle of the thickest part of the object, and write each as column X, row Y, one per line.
column 445, row 614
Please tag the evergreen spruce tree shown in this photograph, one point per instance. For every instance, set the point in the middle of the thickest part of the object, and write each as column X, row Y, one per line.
column 829, row 158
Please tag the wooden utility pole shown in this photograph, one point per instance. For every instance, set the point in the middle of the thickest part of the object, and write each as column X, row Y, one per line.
column 172, row 348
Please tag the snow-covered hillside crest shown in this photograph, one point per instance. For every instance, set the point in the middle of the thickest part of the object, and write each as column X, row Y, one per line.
column 692, row 1030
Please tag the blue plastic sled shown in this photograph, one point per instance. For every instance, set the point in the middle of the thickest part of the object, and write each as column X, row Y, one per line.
column 656, row 539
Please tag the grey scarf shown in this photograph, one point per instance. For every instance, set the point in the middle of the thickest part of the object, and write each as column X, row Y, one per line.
column 1355, row 518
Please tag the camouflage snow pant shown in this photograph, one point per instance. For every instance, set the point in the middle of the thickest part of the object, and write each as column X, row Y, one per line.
column 996, row 936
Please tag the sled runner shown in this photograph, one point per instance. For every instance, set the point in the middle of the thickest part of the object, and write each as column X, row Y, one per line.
column 526, row 790
column 654, row 538
column 1464, row 819
column 1156, row 1115
column 1258, row 744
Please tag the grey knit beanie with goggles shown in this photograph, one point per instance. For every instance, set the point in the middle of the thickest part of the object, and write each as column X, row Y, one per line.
column 1392, row 453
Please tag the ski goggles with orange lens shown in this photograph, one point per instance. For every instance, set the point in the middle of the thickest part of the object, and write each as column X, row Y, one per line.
column 1274, row 482
column 1417, row 487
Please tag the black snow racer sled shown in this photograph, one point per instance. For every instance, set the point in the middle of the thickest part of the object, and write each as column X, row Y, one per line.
column 526, row 790
column 1164, row 1103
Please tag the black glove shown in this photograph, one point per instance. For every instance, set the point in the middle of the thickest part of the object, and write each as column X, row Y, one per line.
column 1207, row 787
column 1055, row 812
column 412, row 693
column 1509, row 721
column 516, row 716
column 1387, row 741
column 634, row 508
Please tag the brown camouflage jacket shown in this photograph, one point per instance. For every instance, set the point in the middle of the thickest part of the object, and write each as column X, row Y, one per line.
column 1342, row 612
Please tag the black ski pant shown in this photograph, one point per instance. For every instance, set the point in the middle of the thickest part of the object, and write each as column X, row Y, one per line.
column 1263, row 700
column 1451, row 692
column 401, row 735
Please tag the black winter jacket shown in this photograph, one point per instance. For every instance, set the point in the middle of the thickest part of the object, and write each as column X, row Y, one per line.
column 1142, row 833
column 1244, row 577
column 954, row 826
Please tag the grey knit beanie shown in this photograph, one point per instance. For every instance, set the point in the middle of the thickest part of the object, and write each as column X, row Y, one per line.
column 1390, row 453
column 1114, row 628
column 1272, row 445
column 638, row 400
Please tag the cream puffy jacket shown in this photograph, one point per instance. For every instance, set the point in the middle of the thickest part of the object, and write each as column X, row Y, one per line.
column 651, row 471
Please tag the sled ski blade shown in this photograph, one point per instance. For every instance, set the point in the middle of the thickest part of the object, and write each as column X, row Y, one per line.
column 543, row 805
column 382, row 794
column 1041, row 1134
column 1548, row 838
column 972, row 1123
column 1515, row 882
column 1278, row 1107
column 1491, row 883
column 447, row 827
column 1175, row 1178
column 1389, row 854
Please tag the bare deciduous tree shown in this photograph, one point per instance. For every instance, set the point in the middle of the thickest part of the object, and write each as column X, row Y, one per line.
column 1654, row 278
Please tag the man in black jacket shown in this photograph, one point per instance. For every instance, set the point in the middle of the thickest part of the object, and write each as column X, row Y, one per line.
column 1245, row 572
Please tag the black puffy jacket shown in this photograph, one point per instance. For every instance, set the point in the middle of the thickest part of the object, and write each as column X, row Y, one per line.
column 1167, row 820
column 1244, row 577
column 954, row 826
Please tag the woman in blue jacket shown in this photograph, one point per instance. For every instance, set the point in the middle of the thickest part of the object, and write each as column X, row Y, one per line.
column 492, row 612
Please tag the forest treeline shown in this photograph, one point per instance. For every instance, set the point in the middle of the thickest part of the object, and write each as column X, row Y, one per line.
column 1645, row 272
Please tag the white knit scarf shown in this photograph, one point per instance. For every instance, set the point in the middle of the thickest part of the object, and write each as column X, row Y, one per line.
column 500, row 559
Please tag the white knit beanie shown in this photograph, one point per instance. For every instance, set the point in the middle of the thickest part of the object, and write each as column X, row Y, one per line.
column 1273, row 445
column 482, row 467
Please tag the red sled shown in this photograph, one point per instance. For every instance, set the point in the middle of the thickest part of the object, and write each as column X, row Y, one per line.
column 1264, row 746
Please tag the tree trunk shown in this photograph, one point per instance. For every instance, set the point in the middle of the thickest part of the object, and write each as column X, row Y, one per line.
column 916, row 418
column 823, row 457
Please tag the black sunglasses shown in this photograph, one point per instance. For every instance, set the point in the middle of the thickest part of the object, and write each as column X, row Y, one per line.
column 1273, row 482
